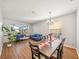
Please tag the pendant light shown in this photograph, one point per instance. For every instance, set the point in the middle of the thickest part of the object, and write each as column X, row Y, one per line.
column 50, row 21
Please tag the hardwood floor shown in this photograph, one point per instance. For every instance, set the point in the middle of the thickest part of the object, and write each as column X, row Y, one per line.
column 69, row 53
column 21, row 50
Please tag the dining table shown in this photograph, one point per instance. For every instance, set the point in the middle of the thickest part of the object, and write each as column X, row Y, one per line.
column 49, row 50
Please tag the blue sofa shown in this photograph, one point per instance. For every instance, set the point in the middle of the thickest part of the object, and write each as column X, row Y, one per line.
column 36, row 37
column 18, row 36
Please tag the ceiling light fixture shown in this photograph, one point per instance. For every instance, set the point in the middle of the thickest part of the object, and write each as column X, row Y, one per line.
column 71, row 0
column 33, row 12
column 50, row 19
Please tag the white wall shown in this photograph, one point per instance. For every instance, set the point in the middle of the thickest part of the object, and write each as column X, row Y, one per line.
column 17, row 23
column 1, row 44
column 11, row 22
column 78, row 31
column 68, row 28
column 40, row 27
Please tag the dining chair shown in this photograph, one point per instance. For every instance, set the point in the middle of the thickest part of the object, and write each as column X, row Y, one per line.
column 58, row 54
column 62, row 43
column 35, row 52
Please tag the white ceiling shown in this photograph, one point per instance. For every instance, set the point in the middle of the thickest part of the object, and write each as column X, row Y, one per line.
column 33, row 10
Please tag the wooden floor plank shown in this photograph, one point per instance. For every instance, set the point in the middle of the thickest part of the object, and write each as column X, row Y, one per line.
column 21, row 50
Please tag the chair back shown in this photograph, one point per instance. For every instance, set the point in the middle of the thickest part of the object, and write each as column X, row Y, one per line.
column 60, row 49
column 34, row 51
column 63, row 40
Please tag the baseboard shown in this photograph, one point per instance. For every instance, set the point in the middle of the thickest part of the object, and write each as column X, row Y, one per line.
column 73, row 49
column 69, row 46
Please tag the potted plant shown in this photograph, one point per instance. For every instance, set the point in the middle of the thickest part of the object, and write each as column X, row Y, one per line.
column 11, row 35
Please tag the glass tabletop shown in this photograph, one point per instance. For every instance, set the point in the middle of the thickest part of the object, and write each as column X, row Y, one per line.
column 48, row 50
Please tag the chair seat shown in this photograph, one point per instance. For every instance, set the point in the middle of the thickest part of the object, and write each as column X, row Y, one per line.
column 42, row 57
column 53, row 57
